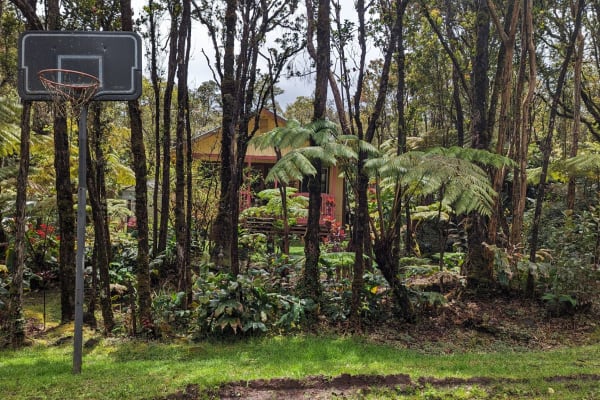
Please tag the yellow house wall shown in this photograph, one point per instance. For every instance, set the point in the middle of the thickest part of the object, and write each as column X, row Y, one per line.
column 209, row 145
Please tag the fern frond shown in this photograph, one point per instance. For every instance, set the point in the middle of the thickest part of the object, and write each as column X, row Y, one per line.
column 584, row 165
column 318, row 153
column 292, row 167
column 10, row 136
column 481, row 157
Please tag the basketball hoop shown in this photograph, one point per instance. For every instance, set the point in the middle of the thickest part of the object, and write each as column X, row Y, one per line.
column 67, row 86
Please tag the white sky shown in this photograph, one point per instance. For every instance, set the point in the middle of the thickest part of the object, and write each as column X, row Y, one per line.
column 199, row 70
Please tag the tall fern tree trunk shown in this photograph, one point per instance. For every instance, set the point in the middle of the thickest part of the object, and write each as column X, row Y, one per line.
column 155, row 79
column 16, row 319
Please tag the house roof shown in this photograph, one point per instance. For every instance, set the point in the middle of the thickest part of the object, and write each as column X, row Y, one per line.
column 217, row 130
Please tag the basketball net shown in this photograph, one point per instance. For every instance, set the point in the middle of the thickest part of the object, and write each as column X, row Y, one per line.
column 69, row 88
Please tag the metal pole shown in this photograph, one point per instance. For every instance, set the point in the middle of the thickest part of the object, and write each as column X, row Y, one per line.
column 80, row 257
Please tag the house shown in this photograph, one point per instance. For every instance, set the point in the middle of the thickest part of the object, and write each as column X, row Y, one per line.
column 207, row 145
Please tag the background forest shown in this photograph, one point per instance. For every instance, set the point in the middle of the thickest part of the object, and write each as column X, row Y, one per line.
column 467, row 135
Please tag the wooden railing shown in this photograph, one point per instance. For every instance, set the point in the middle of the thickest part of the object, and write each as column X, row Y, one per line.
column 267, row 226
column 327, row 205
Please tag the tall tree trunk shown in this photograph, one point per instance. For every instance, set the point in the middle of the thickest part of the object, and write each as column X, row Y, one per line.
column 66, row 218
column 155, row 79
column 576, row 115
column 138, row 151
column 16, row 319
column 503, row 85
column 64, row 198
column 310, row 283
column 180, row 181
column 222, row 228
column 97, row 195
column 546, row 144
column 479, row 263
column 523, row 124
column 165, row 205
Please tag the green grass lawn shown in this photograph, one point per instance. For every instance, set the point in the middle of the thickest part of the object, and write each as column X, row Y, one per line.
column 132, row 370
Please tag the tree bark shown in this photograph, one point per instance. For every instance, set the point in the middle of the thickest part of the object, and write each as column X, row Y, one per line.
column 155, row 79
column 66, row 219
column 97, row 196
column 16, row 319
column 310, row 283
column 576, row 115
column 138, row 151
column 479, row 266
column 165, row 205
column 181, row 226
column 522, row 125
column 222, row 227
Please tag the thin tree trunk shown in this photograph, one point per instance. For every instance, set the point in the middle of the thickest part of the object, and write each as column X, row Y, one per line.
column 155, row 79
column 576, row 115
column 165, row 205
column 66, row 219
column 97, row 191
column 546, row 144
column 221, row 229
column 504, row 86
column 180, row 181
column 16, row 319
column 523, row 125
column 138, row 151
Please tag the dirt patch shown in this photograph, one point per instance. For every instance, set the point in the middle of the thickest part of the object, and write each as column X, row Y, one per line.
column 341, row 387
column 314, row 387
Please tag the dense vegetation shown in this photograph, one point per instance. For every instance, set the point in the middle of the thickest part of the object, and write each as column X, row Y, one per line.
column 467, row 134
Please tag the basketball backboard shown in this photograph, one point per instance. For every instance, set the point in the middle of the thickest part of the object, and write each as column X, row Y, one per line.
column 114, row 57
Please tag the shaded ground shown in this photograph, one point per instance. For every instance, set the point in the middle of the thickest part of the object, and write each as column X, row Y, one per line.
column 496, row 324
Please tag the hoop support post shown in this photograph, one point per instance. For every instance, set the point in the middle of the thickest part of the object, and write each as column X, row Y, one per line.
column 80, row 256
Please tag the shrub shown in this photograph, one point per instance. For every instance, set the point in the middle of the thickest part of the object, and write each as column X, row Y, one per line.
column 244, row 305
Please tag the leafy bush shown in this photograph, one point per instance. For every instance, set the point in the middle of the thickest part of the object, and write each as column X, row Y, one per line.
column 245, row 305
column 574, row 270
column 168, row 314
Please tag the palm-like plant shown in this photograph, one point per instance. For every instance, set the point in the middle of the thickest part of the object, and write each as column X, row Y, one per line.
column 456, row 174
column 298, row 162
column 9, row 129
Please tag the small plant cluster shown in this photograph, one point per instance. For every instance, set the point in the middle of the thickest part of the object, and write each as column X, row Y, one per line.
column 248, row 304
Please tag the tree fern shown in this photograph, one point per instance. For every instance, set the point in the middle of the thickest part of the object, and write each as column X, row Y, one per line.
column 585, row 165
column 452, row 172
column 298, row 162
column 9, row 128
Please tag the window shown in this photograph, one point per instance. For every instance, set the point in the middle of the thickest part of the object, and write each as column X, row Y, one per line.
column 324, row 182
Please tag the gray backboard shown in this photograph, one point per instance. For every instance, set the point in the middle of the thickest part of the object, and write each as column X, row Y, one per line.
column 114, row 57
